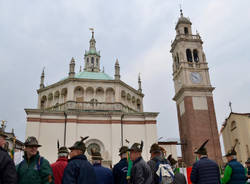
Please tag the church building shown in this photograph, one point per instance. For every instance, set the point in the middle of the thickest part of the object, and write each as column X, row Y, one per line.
column 193, row 94
column 91, row 103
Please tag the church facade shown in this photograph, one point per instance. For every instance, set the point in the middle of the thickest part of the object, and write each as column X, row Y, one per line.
column 91, row 103
column 193, row 94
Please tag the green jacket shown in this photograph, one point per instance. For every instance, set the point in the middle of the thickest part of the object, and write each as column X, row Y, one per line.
column 36, row 170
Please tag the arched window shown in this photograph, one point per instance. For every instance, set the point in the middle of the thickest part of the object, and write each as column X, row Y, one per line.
column 186, row 30
column 92, row 60
column 196, row 56
column 97, row 61
column 87, row 60
column 189, row 55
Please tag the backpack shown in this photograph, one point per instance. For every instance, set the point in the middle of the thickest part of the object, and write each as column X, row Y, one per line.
column 164, row 172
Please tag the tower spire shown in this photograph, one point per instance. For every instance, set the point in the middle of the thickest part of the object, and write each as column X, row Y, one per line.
column 72, row 68
column 92, row 40
column 42, row 79
column 117, row 70
column 139, row 83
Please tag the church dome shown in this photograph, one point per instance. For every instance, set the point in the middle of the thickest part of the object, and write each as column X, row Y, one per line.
column 93, row 75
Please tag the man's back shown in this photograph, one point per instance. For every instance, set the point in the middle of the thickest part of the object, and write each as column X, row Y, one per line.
column 7, row 169
column 58, row 169
column 103, row 175
column 120, row 172
column 205, row 171
column 141, row 172
column 79, row 171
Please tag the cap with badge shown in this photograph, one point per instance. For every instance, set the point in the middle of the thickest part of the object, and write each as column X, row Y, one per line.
column 80, row 145
column 123, row 150
column 96, row 155
column 136, row 147
column 202, row 150
column 31, row 142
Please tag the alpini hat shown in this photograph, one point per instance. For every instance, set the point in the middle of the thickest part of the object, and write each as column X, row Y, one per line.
column 202, row 150
column 232, row 151
column 31, row 142
column 96, row 155
column 79, row 145
column 155, row 148
column 123, row 150
column 63, row 149
column 171, row 160
column 137, row 147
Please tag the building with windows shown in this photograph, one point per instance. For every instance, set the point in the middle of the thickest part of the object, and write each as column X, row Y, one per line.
column 236, row 132
column 91, row 103
column 193, row 94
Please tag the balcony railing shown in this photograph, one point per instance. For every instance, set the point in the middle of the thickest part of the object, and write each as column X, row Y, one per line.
column 91, row 107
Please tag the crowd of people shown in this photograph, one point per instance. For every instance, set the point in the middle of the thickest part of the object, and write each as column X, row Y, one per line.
column 131, row 169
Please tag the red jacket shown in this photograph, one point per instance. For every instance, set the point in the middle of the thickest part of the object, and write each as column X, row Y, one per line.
column 58, row 169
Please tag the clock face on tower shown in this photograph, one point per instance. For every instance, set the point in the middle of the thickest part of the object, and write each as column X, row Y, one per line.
column 196, row 77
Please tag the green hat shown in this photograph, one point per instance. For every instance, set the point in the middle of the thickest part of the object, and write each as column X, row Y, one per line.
column 123, row 150
column 202, row 150
column 96, row 155
column 136, row 147
column 31, row 141
column 155, row 148
column 63, row 149
column 79, row 145
column 248, row 161
column 171, row 160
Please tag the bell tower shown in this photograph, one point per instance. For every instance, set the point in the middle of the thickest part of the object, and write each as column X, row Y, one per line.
column 193, row 94
column 92, row 57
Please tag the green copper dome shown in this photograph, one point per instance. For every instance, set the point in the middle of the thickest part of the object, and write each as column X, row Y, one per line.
column 93, row 75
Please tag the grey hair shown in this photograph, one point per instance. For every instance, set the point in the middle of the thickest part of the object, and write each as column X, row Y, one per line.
column 62, row 154
column 234, row 157
column 96, row 161
column 124, row 155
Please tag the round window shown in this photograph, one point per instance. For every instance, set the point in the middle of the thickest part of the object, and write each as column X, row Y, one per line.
column 93, row 146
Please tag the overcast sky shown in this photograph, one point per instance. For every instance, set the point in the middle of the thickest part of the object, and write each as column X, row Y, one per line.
column 36, row 34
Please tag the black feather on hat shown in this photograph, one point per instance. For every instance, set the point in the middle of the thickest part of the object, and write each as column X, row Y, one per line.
column 136, row 147
column 79, row 145
column 232, row 151
column 171, row 160
column 202, row 150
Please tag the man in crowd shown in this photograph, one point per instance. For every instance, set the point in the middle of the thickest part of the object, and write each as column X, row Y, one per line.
column 121, row 168
column 103, row 174
column 234, row 172
column 179, row 178
column 155, row 161
column 140, row 172
column 61, row 163
column 8, row 173
column 79, row 170
column 248, row 170
column 34, row 169
column 204, row 170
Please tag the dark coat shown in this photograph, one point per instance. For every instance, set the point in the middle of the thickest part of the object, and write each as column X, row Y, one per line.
column 103, row 174
column 58, row 169
column 238, row 173
column 153, row 166
column 8, row 173
column 79, row 171
column 36, row 170
column 179, row 178
column 120, row 172
column 205, row 171
column 141, row 172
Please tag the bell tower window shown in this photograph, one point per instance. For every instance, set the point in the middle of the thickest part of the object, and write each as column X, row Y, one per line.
column 196, row 56
column 87, row 60
column 96, row 61
column 189, row 55
column 92, row 60
column 185, row 30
